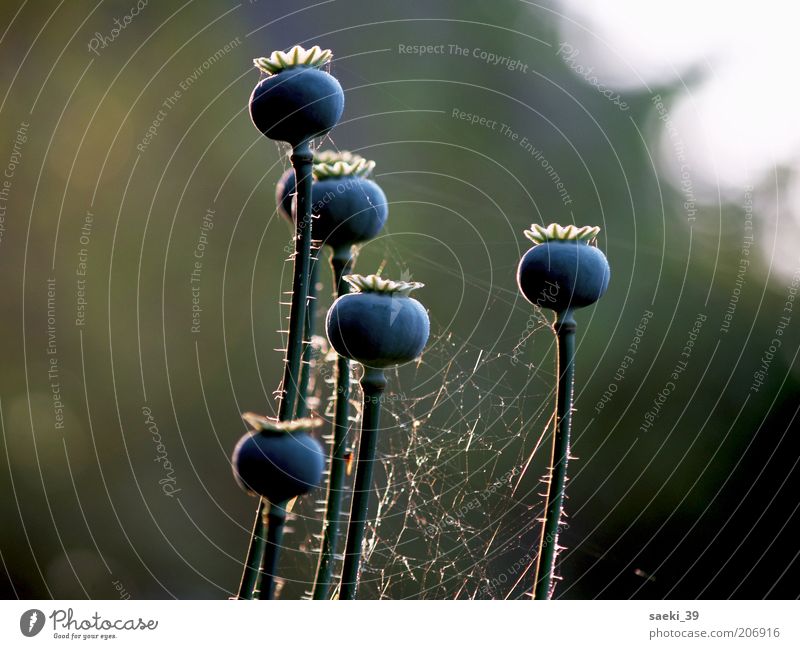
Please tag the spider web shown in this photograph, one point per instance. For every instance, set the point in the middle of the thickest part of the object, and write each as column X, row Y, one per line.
column 458, row 492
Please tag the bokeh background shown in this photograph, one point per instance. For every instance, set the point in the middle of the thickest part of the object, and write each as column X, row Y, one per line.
column 127, row 148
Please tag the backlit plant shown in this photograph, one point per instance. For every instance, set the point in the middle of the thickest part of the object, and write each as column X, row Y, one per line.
column 329, row 198
column 563, row 272
column 295, row 102
column 277, row 461
column 379, row 326
column 349, row 209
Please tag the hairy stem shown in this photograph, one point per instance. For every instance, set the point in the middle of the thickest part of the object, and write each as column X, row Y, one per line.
column 308, row 349
column 302, row 160
column 255, row 555
column 548, row 546
column 341, row 262
column 373, row 384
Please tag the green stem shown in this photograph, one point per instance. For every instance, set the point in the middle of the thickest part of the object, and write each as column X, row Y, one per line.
column 341, row 262
column 276, row 519
column 372, row 384
column 548, row 546
column 308, row 348
column 302, row 161
column 255, row 555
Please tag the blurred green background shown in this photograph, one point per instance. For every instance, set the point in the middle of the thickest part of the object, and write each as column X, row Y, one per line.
column 148, row 136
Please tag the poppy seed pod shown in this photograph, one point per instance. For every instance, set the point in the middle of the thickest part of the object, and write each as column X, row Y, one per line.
column 563, row 271
column 285, row 189
column 278, row 460
column 350, row 208
column 379, row 325
column 297, row 101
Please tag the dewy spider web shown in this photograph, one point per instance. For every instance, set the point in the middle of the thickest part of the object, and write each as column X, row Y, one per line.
column 458, row 493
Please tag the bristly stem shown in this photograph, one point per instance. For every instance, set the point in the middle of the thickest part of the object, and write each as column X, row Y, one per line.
column 302, row 161
column 373, row 384
column 341, row 262
column 548, row 546
column 308, row 348
column 255, row 555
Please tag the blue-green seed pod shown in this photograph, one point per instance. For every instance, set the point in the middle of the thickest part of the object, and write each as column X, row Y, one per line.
column 349, row 208
column 285, row 189
column 297, row 101
column 278, row 460
column 563, row 270
column 379, row 325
